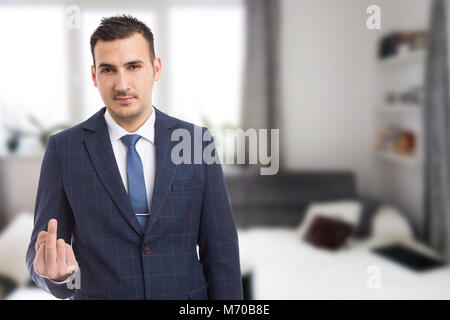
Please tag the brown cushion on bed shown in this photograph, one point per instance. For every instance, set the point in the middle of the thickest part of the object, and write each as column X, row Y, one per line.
column 327, row 232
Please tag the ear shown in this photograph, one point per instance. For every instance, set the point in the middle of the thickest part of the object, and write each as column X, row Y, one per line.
column 93, row 75
column 156, row 69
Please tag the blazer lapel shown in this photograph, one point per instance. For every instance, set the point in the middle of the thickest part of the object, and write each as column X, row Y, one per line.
column 165, row 168
column 98, row 145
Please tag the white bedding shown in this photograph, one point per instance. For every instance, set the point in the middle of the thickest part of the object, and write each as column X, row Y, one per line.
column 25, row 293
column 285, row 267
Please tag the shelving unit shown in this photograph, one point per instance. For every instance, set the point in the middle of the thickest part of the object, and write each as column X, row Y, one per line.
column 410, row 161
column 396, row 74
column 401, row 110
column 398, row 177
column 403, row 59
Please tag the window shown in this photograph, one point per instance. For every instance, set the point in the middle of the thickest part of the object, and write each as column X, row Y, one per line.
column 206, row 56
column 34, row 75
column 46, row 67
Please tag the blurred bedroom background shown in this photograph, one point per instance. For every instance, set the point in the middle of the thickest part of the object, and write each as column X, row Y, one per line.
column 359, row 208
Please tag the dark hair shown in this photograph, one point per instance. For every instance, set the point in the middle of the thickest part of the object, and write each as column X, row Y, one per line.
column 121, row 27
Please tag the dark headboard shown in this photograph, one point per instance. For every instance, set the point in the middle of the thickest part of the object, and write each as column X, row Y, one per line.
column 280, row 200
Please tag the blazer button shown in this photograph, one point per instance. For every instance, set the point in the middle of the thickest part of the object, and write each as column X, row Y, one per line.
column 147, row 249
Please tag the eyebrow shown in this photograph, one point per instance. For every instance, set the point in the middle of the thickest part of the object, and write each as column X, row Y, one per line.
column 137, row 61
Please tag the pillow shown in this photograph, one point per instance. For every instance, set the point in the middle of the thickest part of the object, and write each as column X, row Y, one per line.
column 346, row 210
column 328, row 232
column 14, row 240
column 389, row 224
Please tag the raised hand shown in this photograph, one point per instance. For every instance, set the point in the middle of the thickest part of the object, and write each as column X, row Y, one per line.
column 54, row 259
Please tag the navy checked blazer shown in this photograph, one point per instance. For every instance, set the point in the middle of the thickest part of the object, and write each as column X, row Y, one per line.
column 80, row 185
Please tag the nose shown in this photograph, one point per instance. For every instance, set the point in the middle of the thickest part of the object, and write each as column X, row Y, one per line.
column 121, row 83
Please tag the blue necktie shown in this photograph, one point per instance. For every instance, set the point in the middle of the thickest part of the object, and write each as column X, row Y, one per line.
column 136, row 182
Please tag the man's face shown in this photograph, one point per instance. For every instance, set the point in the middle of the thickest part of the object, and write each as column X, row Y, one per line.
column 124, row 76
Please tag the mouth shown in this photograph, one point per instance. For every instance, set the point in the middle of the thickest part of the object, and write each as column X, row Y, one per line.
column 125, row 100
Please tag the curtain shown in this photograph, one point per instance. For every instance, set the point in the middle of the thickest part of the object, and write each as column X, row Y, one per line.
column 437, row 131
column 260, row 100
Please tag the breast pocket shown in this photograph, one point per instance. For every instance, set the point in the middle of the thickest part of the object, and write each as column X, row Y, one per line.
column 199, row 293
column 185, row 199
column 185, row 186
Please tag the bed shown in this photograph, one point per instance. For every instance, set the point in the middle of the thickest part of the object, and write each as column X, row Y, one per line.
column 273, row 216
column 282, row 265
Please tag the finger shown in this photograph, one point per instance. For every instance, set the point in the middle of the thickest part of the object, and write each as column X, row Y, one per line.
column 50, row 249
column 61, row 257
column 72, row 264
column 39, row 241
column 39, row 261
column 41, row 238
column 38, row 245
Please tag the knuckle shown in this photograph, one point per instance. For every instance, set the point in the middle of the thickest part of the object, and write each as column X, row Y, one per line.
column 50, row 266
column 61, row 271
column 51, row 272
column 39, row 270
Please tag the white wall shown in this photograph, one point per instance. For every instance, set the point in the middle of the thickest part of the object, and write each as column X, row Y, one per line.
column 330, row 86
column 327, row 90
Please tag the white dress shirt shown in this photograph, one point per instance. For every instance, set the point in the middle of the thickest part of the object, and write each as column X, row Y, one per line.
column 145, row 147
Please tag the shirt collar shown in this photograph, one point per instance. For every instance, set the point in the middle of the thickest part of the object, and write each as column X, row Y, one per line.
column 147, row 130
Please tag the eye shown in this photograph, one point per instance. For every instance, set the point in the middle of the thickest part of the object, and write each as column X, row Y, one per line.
column 105, row 70
column 134, row 66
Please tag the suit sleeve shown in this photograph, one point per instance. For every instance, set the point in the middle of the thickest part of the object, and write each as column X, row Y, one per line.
column 218, row 238
column 51, row 202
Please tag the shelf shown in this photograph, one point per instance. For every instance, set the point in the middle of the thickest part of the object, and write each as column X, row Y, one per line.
column 401, row 110
column 404, row 58
column 22, row 155
column 412, row 161
column 408, row 117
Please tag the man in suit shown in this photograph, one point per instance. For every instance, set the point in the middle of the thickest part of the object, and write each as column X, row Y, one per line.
column 114, row 211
